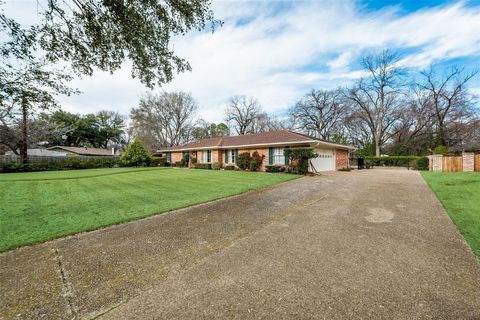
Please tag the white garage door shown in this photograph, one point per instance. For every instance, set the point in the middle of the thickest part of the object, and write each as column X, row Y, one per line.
column 324, row 162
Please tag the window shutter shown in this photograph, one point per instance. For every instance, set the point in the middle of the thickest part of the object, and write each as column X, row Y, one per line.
column 209, row 156
column 236, row 155
column 225, row 158
column 270, row 156
column 286, row 158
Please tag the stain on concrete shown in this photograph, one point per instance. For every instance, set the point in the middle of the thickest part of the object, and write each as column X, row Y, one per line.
column 380, row 215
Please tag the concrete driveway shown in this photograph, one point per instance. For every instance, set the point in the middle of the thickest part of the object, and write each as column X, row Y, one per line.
column 357, row 245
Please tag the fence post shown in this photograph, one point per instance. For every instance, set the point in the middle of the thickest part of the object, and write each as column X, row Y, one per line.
column 436, row 162
column 468, row 161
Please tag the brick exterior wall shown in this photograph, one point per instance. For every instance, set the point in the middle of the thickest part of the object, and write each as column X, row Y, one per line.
column 341, row 159
column 177, row 156
column 217, row 156
column 468, row 161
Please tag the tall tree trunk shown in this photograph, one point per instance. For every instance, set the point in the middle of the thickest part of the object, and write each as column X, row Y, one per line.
column 377, row 148
column 24, row 145
column 441, row 131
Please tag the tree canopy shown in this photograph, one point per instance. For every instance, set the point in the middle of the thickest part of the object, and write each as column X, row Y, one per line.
column 104, row 34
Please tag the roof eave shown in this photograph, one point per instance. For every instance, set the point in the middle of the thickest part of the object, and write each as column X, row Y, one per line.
column 257, row 145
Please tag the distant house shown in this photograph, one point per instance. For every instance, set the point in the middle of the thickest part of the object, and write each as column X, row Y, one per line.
column 85, row 151
column 331, row 156
column 41, row 153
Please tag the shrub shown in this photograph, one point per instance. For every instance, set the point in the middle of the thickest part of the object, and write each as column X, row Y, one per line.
column 393, row 161
column 135, row 155
column 186, row 159
column 301, row 156
column 193, row 161
column 440, row 149
column 179, row 164
column 274, row 168
column 229, row 167
column 203, row 166
column 243, row 160
column 216, row 165
column 71, row 163
column 256, row 161
column 158, row 162
column 422, row 163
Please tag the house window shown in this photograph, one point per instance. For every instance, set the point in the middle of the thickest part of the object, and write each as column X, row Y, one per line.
column 278, row 157
column 169, row 157
column 206, row 156
column 230, row 156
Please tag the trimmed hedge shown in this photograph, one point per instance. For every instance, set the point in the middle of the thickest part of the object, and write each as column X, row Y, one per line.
column 229, row 167
column 159, row 162
column 216, row 165
column 73, row 163
column 207, row 166
column 274, row 169
column 393, row 161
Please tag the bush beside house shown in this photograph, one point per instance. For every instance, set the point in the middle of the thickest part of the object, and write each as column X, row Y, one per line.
column 298, row 159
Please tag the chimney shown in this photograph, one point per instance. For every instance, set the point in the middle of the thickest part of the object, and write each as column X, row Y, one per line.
column 113, row 151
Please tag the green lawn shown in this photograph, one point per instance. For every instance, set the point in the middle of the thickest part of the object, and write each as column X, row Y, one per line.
column 460, row 195
column 40, row 206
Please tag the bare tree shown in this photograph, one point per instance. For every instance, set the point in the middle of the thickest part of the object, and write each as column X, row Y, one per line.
column 357, row 130
column 164, row 120
column 243, row 114
column 450, row 98
column 376, row 97
column 412, row 132
column 320, row 113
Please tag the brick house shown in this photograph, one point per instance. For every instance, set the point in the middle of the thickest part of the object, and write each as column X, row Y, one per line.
column 225, row 150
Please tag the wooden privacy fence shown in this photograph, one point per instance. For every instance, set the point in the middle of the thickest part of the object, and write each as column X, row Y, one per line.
column 452, row 164
column 467, row 162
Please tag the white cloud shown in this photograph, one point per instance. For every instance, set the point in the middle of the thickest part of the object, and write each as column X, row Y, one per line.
column 277, row 51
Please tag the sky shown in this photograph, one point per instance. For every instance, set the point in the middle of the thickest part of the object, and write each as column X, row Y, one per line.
column 276, row 51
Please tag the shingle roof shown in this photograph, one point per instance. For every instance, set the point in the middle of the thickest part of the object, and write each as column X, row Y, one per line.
column 85, row 151
column 264, row 138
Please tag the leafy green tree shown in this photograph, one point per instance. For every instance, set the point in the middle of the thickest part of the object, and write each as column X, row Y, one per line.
column 205, row 130
column 104, row 34
column 101, row 130
column 111, row 126
column 135, row 155
column 440, row 149
column 27, row 84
